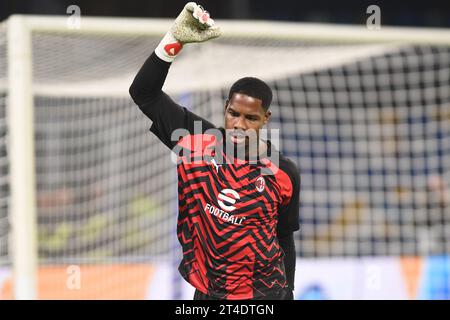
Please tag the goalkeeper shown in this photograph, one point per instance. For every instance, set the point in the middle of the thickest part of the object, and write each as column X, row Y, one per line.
column 235, row 225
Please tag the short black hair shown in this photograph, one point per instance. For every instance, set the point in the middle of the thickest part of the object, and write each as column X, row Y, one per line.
column 253, row 87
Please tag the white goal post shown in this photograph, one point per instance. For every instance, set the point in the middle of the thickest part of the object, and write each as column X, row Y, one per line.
column 21, row 90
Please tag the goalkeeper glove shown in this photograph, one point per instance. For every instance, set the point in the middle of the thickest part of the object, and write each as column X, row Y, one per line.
column 192, row 25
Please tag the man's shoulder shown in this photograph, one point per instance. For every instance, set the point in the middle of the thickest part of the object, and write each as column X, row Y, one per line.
column 288, row 166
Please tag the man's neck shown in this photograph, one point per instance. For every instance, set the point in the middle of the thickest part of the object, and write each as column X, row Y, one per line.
column 252, row 152
column 261, row 147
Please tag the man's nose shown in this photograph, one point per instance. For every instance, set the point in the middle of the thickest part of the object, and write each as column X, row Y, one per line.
column 240, row 124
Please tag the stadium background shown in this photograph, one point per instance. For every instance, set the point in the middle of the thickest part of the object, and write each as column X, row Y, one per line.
column 375, row 211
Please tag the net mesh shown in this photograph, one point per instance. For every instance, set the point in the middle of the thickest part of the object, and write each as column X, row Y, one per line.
column 104, row 187
column 371, row 138
column 4, row 186
column 368, row 126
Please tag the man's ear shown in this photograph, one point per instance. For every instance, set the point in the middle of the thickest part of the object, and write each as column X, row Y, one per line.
column 267, row 116
column 226, row 105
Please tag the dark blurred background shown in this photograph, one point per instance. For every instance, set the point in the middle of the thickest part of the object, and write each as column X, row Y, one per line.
column 431, row 13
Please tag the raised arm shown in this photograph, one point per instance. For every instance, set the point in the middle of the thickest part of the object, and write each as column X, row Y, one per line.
column 147, row 85
column 192, row 25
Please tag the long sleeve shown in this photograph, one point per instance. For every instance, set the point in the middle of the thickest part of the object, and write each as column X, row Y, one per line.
column 148, row 83
column 288, row 245
column 167, row 116
column 288, row 220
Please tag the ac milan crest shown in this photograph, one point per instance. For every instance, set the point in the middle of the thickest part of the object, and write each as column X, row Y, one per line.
column 260, row 184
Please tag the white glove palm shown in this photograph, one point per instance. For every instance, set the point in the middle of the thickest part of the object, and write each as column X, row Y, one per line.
column 193, row 24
